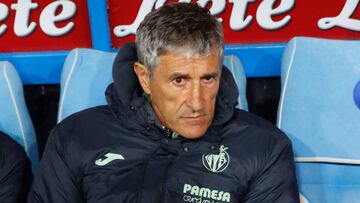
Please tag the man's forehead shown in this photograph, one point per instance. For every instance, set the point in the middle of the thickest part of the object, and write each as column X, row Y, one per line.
column 189, row 57
column 179, row 62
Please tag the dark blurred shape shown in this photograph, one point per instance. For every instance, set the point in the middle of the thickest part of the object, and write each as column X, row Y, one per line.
column 15, row 171
column 42, row 102
column 263, row 96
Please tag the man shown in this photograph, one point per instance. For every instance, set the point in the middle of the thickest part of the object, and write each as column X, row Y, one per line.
column 170, row 132
column 15, row 171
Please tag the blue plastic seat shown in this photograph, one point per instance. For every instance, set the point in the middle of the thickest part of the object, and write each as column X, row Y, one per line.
column 320, row 111
column 86, row 74
column 14, row 117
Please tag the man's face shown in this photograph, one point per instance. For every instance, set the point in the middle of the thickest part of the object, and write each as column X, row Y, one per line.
column 183, row 92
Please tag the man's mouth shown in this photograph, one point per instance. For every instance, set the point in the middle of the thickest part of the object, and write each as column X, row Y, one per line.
column 194, row 120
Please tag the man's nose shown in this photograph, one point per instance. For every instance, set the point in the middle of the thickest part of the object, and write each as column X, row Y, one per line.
column 195, row 97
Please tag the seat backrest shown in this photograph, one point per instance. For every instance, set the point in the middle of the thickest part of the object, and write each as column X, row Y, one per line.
column 319, row 110
column 86, row 74
column 233, row 63
column 14, row 117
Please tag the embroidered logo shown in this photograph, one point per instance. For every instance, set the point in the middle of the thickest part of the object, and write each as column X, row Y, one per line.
column 216, row 162
column 109, row 158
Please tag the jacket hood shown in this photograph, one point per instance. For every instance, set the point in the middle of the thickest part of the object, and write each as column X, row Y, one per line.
column 125, row 94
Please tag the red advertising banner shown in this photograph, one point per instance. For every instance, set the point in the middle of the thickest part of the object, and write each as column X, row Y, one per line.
column 252, row 21
column 34, row 25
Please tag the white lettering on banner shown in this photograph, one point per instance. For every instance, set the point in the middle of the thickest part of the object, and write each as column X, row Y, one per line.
column 343, row 19
column 4, row 12
column 147, row 6
column 48, row 17
column 238, row 21
column 22, row 28
column 124, row 30
column 237, row 18
column 265, row 11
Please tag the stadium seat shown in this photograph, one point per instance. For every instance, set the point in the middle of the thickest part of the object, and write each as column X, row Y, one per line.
column 86, row 74
column 14, row 117
column 319, row 110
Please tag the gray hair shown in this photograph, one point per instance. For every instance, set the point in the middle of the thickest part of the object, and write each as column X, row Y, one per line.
column 181, row 28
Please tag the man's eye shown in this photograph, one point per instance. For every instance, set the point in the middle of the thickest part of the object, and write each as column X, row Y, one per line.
column 208, row 79
column 179, row 81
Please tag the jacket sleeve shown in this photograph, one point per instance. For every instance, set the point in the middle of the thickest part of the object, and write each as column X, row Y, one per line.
column 15, row 172
column 276, row 181
column 54, row 181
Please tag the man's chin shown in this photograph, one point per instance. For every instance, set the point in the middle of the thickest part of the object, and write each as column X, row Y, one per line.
column 191, row 133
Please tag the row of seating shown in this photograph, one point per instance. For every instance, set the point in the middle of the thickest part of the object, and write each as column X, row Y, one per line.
column 319, row 108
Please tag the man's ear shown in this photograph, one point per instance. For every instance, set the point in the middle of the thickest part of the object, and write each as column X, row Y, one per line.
column 143, row 75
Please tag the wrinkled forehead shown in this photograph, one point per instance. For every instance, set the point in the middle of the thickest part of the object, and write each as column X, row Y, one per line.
column 192, row 51
column 181, row 65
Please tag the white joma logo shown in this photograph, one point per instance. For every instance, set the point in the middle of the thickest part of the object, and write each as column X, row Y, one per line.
column 109, row 158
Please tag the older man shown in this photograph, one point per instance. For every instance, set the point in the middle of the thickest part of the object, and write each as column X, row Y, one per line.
column 170, row 132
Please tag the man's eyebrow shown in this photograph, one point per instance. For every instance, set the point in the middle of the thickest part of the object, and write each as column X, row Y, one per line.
column 185, row 75
column 178, row 75
column 209, row 75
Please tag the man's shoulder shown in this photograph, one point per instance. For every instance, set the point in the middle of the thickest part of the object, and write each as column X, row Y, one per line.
column 254, row 121
column 255, row 127
column 86, row 115
column 87, row 118
column 11, row 153
column 252, row 138
column 91, row 128
column 8, row 145
column 88, row 122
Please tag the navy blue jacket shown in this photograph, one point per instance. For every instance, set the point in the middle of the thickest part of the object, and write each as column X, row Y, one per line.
column 121, row 153
column 15, row 171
